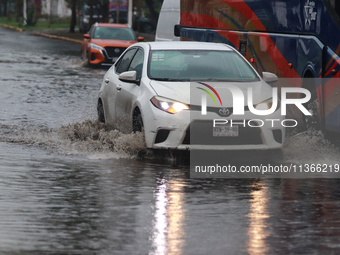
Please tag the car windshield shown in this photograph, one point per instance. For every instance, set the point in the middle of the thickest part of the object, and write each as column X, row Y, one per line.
column 114, row 33
column 186, row 65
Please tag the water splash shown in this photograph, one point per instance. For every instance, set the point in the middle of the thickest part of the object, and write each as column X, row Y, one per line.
column 95, row 140
column 90, row 138
column 310, row 147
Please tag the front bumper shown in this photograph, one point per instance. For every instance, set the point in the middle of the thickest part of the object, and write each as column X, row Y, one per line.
column 191, row 130
column 107, row 56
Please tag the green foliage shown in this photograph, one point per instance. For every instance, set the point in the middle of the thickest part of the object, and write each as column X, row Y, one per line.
column 31, row 16
column 11, row 22
column 41, row 23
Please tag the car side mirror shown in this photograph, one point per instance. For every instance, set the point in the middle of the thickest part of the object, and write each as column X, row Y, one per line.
column 129, row 76
column 177, row 30
column 86, row 36
column 269, row 77
column 140, row 39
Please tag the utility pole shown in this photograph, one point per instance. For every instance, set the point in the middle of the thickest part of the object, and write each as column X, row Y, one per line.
column 25, row 12
column 130, row 13
column 117, row 10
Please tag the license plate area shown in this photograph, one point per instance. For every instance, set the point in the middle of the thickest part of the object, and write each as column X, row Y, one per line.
column 224, row 130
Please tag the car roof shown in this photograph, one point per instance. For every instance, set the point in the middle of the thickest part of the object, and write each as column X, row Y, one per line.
column 110, row 25
column 185, row 45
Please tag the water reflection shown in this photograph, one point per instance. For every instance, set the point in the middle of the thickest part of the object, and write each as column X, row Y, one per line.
column 308, row 217
column 258, row 214
column 168, row 234
column 160, row 222
column 176, row 217
column 61, row 204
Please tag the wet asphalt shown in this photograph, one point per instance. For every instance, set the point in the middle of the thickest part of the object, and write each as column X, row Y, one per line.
column 70, row 185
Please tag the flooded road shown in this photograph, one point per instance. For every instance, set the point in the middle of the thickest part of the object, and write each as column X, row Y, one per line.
column 70, row 185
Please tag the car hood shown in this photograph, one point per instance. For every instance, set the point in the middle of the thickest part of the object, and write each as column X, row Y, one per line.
column 191, row 92
column 113, row 43
column 179, row 91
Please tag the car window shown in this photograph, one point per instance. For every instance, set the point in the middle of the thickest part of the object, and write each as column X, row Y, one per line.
column 137, row 63
column 199, row 64
column 114, row 33
column 124, row 62
column 91, row 32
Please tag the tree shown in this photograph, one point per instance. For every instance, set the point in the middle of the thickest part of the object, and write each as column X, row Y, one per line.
column 91, row 3
column 18, row 8
column 104, row 6
column 154, row 15
column 73, row 15
column 105, row 10
column 5, row 7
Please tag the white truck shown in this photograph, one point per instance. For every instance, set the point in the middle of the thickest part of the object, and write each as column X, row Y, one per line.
column 168, row 18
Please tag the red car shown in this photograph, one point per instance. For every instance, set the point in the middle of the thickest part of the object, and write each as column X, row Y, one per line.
column 105, row 42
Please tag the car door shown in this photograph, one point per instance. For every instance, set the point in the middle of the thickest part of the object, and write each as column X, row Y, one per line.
column 126, row 96
column 113, row 84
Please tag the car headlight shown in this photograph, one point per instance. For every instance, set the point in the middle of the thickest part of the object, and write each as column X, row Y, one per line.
column 95, row 46
column 266, row 105
column 168, row 105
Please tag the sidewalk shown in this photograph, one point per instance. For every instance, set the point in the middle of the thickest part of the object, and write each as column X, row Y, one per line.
column 59, row 34
column 78, row 37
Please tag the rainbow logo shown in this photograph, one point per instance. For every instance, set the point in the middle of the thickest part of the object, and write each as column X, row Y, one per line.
column 209, row 93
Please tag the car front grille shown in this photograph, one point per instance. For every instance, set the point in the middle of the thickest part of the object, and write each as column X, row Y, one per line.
column 114, row 51
column 200, row 132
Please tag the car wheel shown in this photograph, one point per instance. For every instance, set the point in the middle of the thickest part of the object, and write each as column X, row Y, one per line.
column 100, row 110
column 137, row 123
column 88, row 60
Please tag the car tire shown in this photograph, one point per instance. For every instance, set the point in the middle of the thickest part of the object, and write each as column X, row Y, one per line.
column 100, row 111
column 88, row 60
column 137, row 123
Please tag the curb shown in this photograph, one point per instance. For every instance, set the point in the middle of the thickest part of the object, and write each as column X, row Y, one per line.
column 44, row 35
column 58, row 37
column 11, row 27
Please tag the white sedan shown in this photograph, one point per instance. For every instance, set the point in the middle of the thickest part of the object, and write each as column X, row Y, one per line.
column 180, row 94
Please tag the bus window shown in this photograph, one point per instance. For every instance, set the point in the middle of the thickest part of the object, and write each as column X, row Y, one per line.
column 333, row 7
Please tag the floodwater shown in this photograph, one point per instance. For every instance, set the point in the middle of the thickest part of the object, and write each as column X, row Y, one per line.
column 70, row 185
